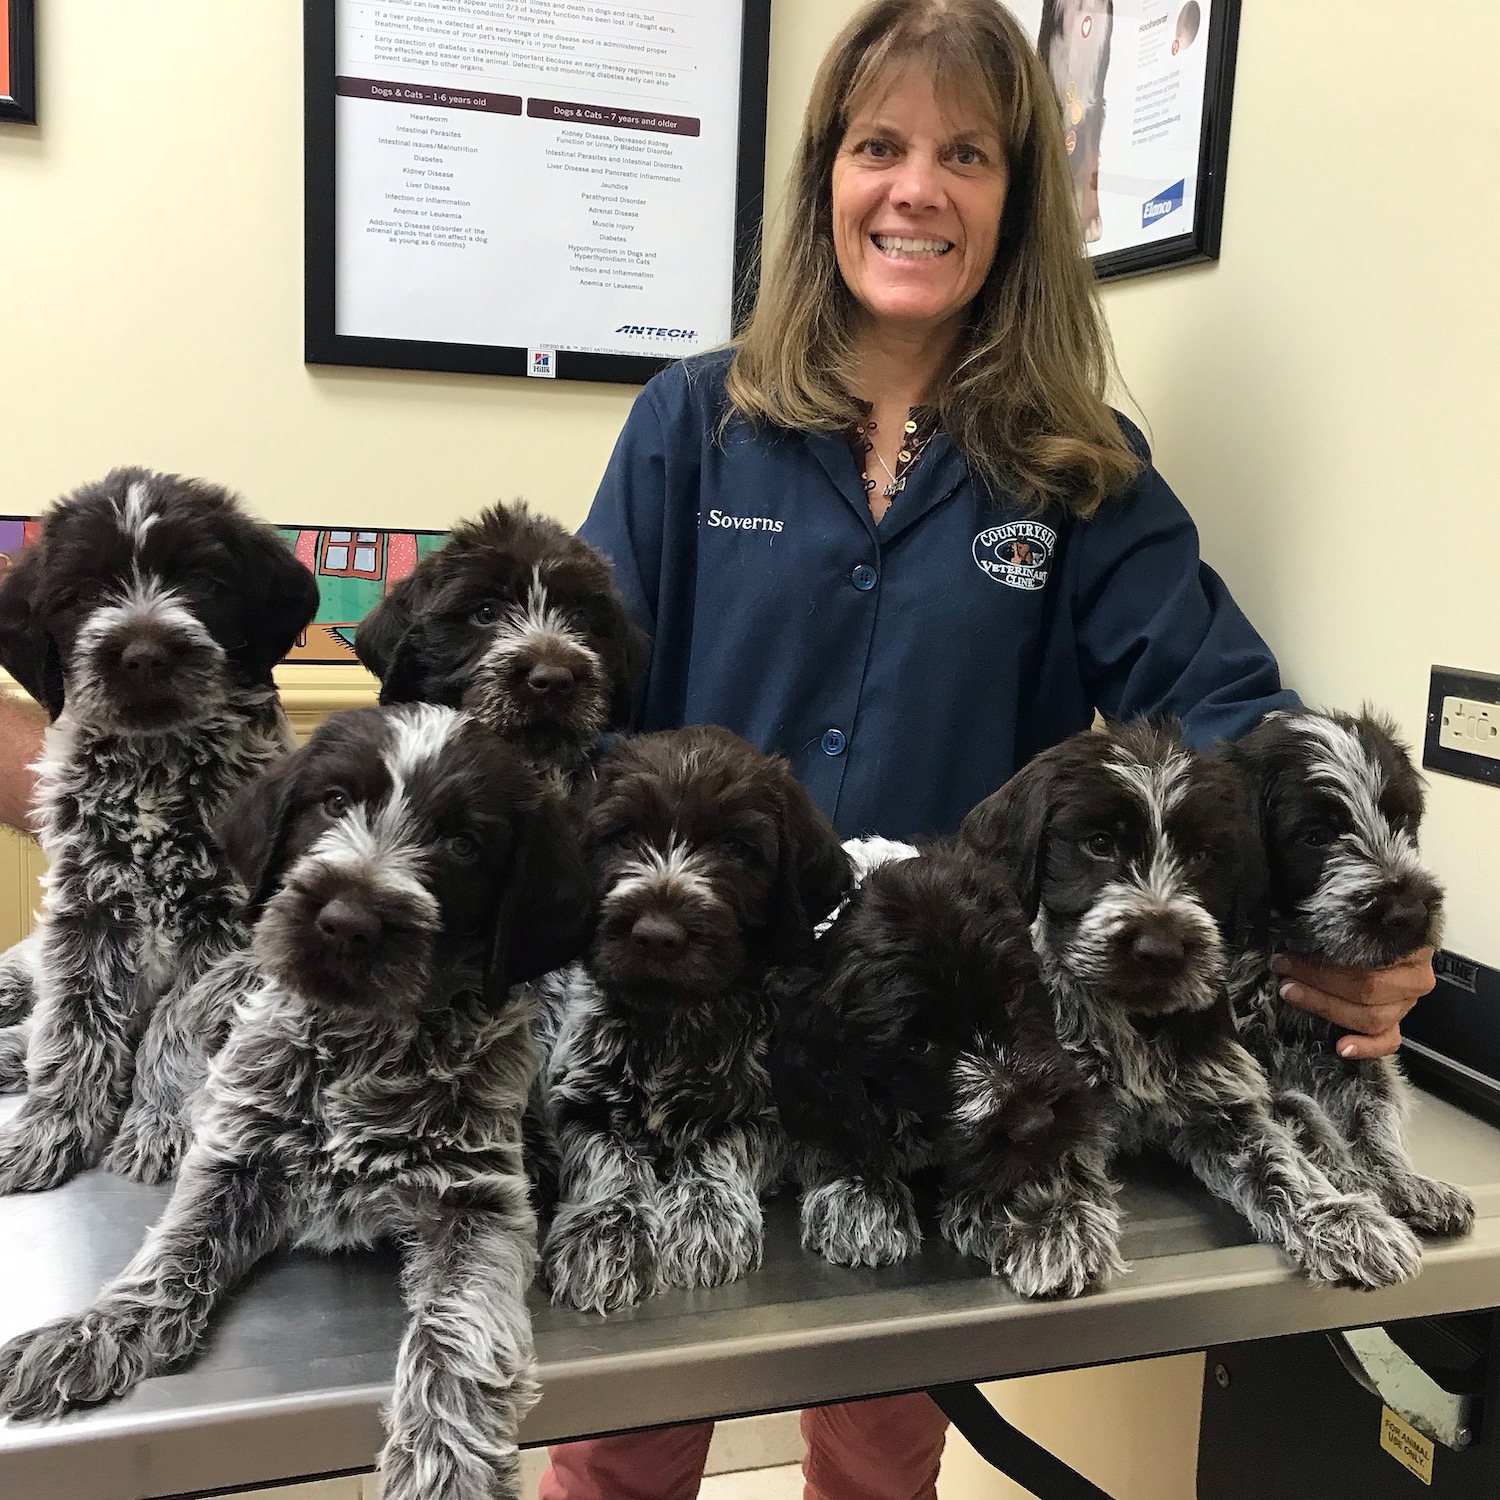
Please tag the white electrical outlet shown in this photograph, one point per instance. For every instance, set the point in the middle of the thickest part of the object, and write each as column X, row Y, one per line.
column 1470, row 726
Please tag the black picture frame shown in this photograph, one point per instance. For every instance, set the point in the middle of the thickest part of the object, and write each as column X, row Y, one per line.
column 19, row 103
column 322, row 345
column 1201, row 243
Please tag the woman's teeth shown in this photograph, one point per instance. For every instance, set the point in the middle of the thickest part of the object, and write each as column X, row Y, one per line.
column 905, row 249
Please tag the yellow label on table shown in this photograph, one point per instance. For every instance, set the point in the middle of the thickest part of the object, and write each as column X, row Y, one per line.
column 1406, row 1445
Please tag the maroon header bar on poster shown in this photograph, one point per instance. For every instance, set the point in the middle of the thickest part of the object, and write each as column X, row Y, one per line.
column 421, row 93
column 607, row 115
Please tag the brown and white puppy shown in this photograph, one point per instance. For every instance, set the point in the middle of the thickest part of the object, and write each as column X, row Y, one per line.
column 923, row 1037
column 518, row 621
column 1137, row 861
column 711, row 866
column 146, row 619
column 1339, row 805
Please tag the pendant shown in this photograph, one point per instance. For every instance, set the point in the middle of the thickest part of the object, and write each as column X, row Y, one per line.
column 892, row 490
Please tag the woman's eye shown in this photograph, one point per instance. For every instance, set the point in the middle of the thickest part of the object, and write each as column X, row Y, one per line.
column 464, row 846
column 969, row 156
column 336, row 804
column 879, row 149
column 1100, row 845
column 486, row 614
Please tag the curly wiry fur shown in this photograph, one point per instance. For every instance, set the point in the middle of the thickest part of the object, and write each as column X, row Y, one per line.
column 518, row 621
column 146, row 619
column 406, row 866
column 925, row 1038
column 1135, row 858
column 711, row 865
column 1339, row 804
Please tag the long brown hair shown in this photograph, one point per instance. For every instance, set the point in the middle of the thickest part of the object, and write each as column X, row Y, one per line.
column 1025, row 399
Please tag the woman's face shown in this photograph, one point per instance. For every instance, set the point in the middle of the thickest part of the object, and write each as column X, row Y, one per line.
column 917, row 195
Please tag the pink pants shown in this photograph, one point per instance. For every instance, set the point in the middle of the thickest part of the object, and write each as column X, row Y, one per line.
column 884, row 1449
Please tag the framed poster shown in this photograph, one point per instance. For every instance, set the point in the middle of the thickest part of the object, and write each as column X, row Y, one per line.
column 1145, row 88
column 17, row 60
column 562, row 189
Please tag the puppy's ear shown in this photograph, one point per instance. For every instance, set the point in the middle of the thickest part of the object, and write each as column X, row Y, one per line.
column 548, row 914
column 27, row 650
column 812, row 875
column 1009, row 827
column 389, row 640
column 251, row 829
column 280, row 597
column 635, row 652
column 1252, row 781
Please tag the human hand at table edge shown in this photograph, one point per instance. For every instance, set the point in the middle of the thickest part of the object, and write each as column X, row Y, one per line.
column 1369, row 1004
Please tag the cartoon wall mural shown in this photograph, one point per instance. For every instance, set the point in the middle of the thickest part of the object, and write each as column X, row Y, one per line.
column 355, row 570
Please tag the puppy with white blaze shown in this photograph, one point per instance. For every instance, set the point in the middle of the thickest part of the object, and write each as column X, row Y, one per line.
column 146, row 619
column 1339, row 804
column 1136, row 860
column 925, row 1039
column 406, row 866
column 519, row 621
column 711, row 865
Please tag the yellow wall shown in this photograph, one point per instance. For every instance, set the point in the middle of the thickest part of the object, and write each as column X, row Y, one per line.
column 1316, row 398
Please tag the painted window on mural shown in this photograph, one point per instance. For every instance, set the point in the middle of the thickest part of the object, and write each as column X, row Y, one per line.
column 353, row 554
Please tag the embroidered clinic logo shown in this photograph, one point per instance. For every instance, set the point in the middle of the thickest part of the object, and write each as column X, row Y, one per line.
column 638, row 331
column 1018, row 554
column 1166, row 202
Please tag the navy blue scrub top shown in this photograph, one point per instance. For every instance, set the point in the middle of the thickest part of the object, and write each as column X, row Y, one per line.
column 907, row 669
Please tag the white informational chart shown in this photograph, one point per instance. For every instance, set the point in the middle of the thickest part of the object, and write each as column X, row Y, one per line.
column 549, row 178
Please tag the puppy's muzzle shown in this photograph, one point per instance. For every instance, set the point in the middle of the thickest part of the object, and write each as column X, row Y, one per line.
column 147, row 667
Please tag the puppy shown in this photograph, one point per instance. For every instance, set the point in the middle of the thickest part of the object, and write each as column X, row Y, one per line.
column 711, row 864
column 1339, row 803
column 519, row 621
column 146, row 619
column 925, row 1038
column 405, row 866
column 1135, row 857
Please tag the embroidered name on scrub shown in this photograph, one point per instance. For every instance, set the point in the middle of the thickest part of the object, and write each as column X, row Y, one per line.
column 743, row 523
column 1018, row 554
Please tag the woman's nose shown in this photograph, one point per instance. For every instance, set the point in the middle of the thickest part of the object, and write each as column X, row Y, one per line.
column 916, row 185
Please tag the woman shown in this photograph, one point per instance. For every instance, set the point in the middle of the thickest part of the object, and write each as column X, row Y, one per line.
column 898, row 536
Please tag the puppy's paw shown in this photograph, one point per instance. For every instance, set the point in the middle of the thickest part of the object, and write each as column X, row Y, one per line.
column 13, row 1059
column 1059, row 1249
column 1428, row 1205
column 419, row 1465
column 711, row 1233
column 603, row 1256
column 73, row 1362
column 1353, row 1241
column 148, row 1147
column 37, row 1153
column 853, row 1222
column 975, row 1226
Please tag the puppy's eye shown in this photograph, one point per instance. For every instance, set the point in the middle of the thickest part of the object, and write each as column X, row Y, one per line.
column 739, row 848
column 336, row 803
column 1101, row 845
column 1320, row 835
column 486, row 614
column 463, row 846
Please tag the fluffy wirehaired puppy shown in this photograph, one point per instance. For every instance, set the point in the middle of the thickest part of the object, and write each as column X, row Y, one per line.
column 711, row 864
column 1339, row 804
column 145, row 619
column 519, row 621
column 925, row 1038
column 405, row 866
column 1136, row 859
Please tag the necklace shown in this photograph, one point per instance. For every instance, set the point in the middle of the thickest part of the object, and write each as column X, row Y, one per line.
column 915, row 440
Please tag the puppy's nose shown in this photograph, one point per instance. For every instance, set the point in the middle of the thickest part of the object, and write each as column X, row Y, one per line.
column 1157, row 949
column 1401, row 911
column 658, row 933
column 547, row 679
column 1026, row 1124
column 144, row 660
column 349, row 923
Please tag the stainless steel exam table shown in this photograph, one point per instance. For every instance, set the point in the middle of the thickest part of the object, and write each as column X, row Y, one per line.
column 290, row 1383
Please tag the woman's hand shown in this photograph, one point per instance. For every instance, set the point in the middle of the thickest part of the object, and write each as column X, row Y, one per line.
column 1370, row 1004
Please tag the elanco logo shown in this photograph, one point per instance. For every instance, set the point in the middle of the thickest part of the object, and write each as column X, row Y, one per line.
column 639, row 331
column 1018, row 554
column 743, row 523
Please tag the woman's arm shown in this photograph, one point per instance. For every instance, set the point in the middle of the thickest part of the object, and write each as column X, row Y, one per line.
column 20, row 745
